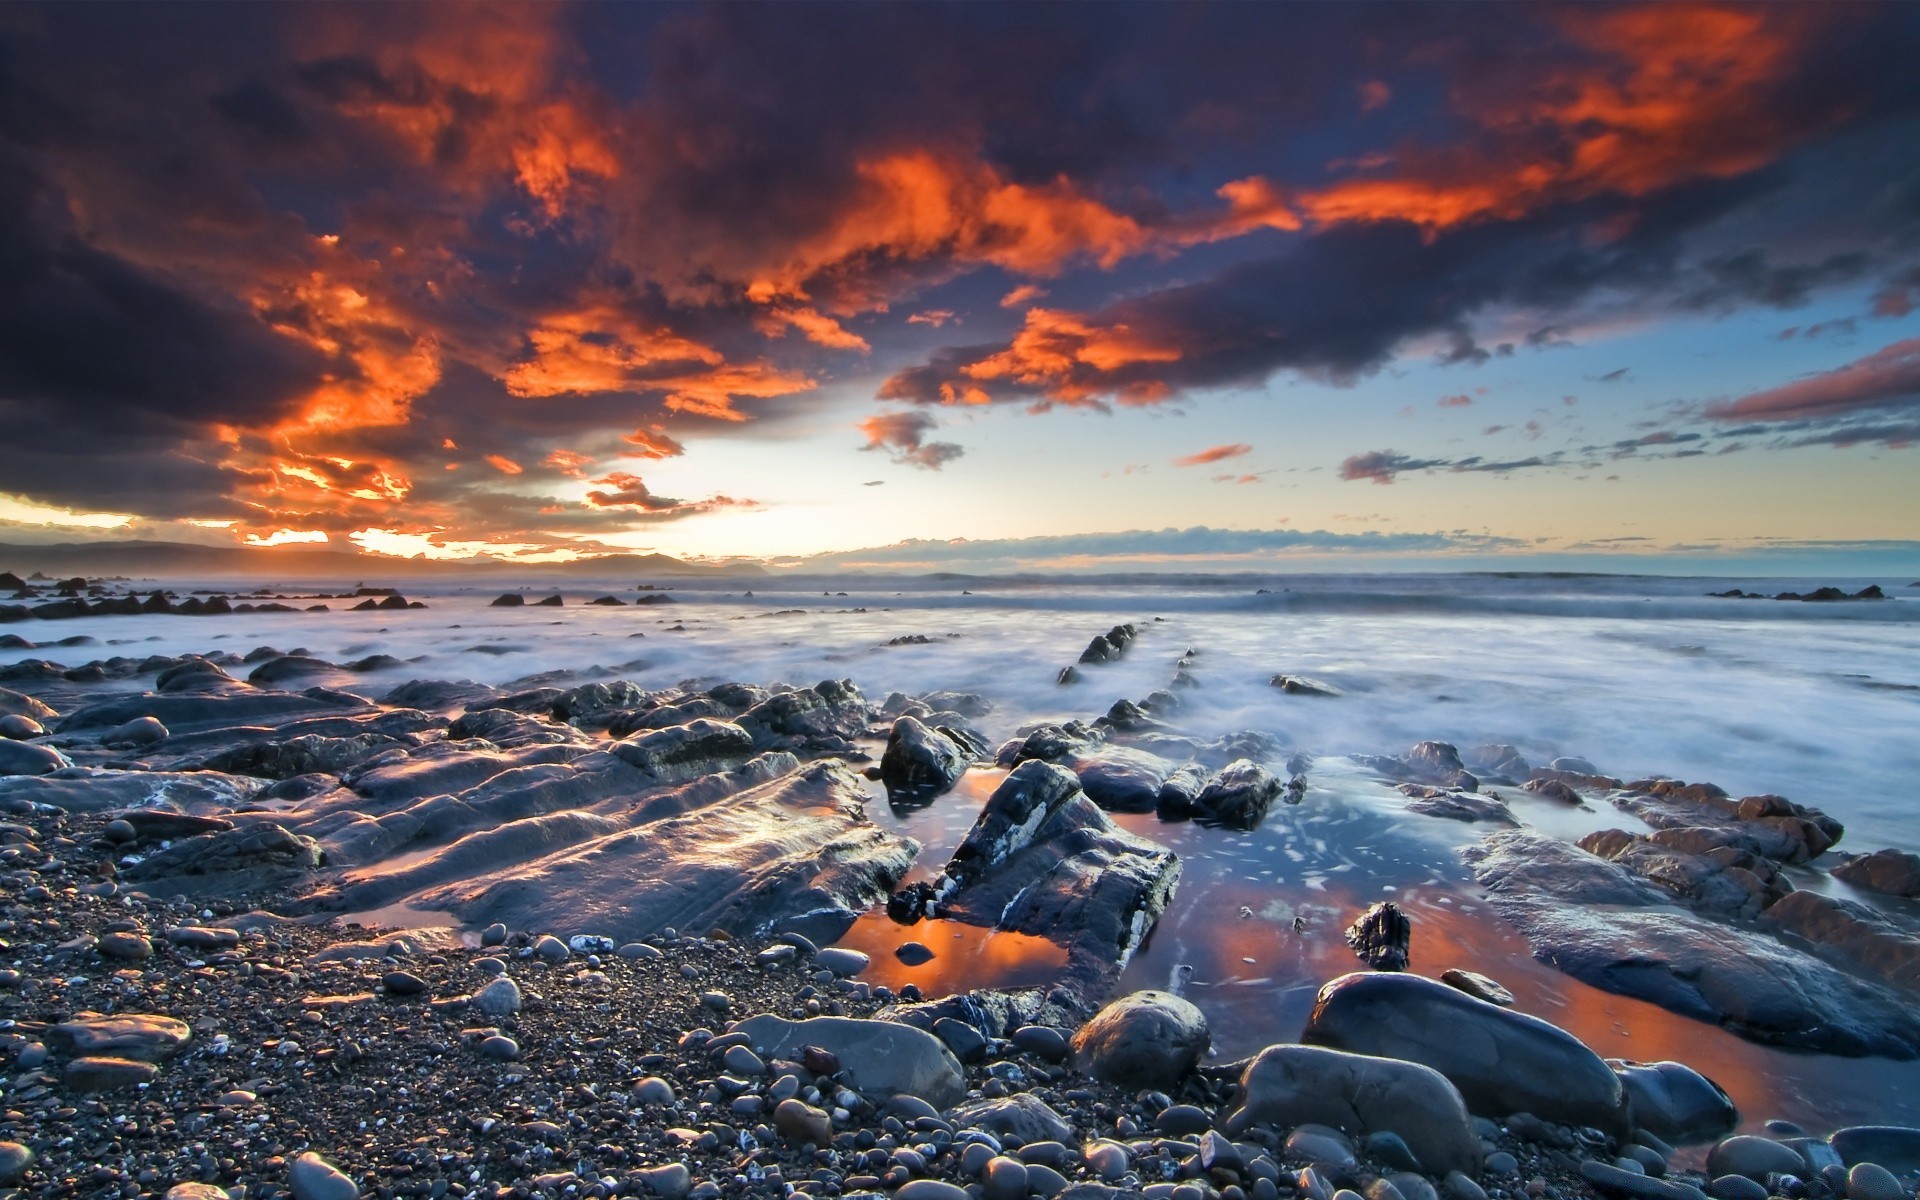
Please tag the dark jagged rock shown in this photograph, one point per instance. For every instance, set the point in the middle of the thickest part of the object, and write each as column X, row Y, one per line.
column 249, row 858
column 508, row 600
column 682, row 752
column 831, row 709
column 1851, row 933
column 1120, row 779
column 1240, row 795
column 1382, row 937
column 308, row 754
column 1300, row 685
column 1456, row 806
column 553, row 601
column 921, row 761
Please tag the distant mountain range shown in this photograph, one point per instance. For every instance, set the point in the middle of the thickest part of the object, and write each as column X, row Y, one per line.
column 187, row 560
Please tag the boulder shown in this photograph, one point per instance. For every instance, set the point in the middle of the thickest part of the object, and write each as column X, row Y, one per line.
column 1149, row 1039
column 920, row 761
column 682, row 752
column 1502, row 1061
column 1239, row 795
column 1895, row 1147
column 141, row 731
column 1286, row 1086
column 1120, row 779
column 19, row 728
column 1894, row 872
column 21, row 704
column 1674, row 1102
column 29, row 758
column 832, row 709
column 1382, row 937
column 244, row 859
column 879, row 1058
column 1022, row 1114
column 509, row 600
column 1754, row 1157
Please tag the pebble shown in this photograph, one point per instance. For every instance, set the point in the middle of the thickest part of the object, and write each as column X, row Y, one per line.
column 717, row 1001
column 653, row 1090
column 1005, row 1179
column 314, row 1178
column 1870, row 1181
column 640, row 951
column 1460, row 1187
column 1183, row 1120
column 1736, row 1187
column 1384, row 1189
column 671, row 1182
column 842, row 961
column 494, row 935
column 105, row 1074
column 1108, row 1160
column 1390, row 1148
column 742, row 1061
column 1041, row 1041
column 14, row 1160
column 32, row 1055
column 403, row 983
column 1502, row 1163
column 929, row 1189
column 500, row 998
column 1319, row 1147
column 913, row 954
column 127, row 947
column 1754, row 1157
column 197, row 1191
column 1626, row 1183
column 1045, row 1181
column 551, row 949
column 120, row 832
column 501, row 1047
column 802, row 1122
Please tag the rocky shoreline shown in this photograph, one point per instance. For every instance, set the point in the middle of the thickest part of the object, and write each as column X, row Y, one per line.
column 646, row 998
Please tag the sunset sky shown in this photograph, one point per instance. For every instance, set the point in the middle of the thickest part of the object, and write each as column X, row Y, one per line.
column 1328, row 280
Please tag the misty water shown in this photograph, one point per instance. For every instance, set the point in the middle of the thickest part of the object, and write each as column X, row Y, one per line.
column 1641, row 676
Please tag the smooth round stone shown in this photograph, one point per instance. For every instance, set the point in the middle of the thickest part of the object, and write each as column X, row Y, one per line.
column 1384, row 1189
column 14, row 1161
column 1041, row 1041
column 1871, row 1181
column 717, row 1001
column 314, row 1178
column 126, row 947
column 1183, row 1120
column 1502, row 1163
column 1390, row 1148
column 975, row 1157
column 802, row 1122
column 1736, row 1187
column 671, row 1182
column 494, row 935
column 1412, row 1186
column 500, row 1047
column 501, row 998
column 196, row 1191
column 653, row 1090
column 1459, row 1187
column 842, row 961
column 742, row 1061
column 551, row 949
column 1047, row 1154
column 1265, row 1189
column 1754, row 1157
column 1651, row 1161
column 491, row 965
column 105, row 1074
column 1108, row 1160
column 1319, row 1147
column 929, row 1189
column 120, row 832
column 403, row 983
column 33, row 1054
column 1045, row 1181
column 1005, row 1179
column 641, row 952
column 913, row 954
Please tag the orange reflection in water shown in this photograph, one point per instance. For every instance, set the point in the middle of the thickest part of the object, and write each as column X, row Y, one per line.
column 965, row 956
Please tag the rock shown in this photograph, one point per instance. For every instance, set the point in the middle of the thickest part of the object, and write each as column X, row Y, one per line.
column 1382, row 937
column 1183, row 1121
column 1386, row 1146
column 403, row 983
column 498, row 998
column 1042, row 1041
column 1676, row 1103
column 1022, row 1115
column 802, row 1122
column 929, row 1189
column 196, row 1191
column 21, row 704
column 1891, row 871
column 20, row 728
column 551, row 949
column 968, row 1044
column 145, row 1036
column 14, row 1161
column 107, row 1074
column 1619, row 1182
column 913, row 954
column 920, row 761
column 253, row 856
column 1240, row 795
column 1289, row 1085
column 1005, row 1179
column 508, row 600
column 1121, row 779
column 499, row 1047
column 494, row 935
column 141, row 731
column 1147, row 1039
column 1754, row 1157
column 682, row 752
column 125, row 947
column 881, row 1058
column 1892, row 1146
column 1737, row 1187
column 1501, row 1061
column 1478, row 986
column 314, row 1178
column 671, row 1182
column 841, row 960
column 30, row 758
column 1460, row 1187
column 1871, row 1181
column 1320, row 1145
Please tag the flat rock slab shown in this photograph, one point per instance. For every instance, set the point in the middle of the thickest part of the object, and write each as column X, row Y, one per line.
column 796, row 847
column 87, row 791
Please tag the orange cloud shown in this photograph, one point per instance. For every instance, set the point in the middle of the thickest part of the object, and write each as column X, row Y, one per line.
column 653, row 442
column 1063, row 356
column 504, row 465
column 1214, row 454
column 568, row 462
column 1026, row 293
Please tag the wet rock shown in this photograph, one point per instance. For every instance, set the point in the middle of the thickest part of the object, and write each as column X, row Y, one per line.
column 880, row 1058
column 913, row 953
column 1455, row 805
column 1239, row 795
column 1894, row 1147
column 1852, row 932
column 249, row 858
column 1478, row 986
column 314, row 1178
column 1043, row 1041
column 1676, row 1103
column 1619, row 1182
column 307, row 754
column 1871, row 1181
column 21, row 704
column 1023, row 1115
column 831, row 709
column 1300, row 685
column 841, row 960
column 1147, row 1039
column 1120, row 779
column 682, row 752
column 141, row 731
column 107, row 1074
column 921, row 761
column 1501, row 1061
column 1754, row 1157
column 28, row 758
column 14, row 1161
column 1286, row 1086
column 1382, row 937
column 1005, row 1179
column 1894, row 872
column 20, row 728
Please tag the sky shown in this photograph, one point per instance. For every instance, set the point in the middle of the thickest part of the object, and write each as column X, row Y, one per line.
column 791, row 282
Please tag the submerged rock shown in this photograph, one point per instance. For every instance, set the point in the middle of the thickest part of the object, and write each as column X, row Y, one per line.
column 1287, row 1086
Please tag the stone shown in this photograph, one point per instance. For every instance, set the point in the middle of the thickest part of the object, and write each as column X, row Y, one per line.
column 1479, row 986
column 1005, row 1179
column 842, row 960
column 1382, row 937
column 1676, row 1103
column 800, row 1122
column 1147, row 1039
column 125, row 947
column 314, row 1178
column 30, row 758
column 1120, row 778
column 653, row 1090
column 107, row 1074
column 1240, row 794
column 1329, row 1148
column 1894, row 1147
column 402, row 983
column 1618, row 1182
column 929, row 1189
column 141, row 731
column 1386, row 1146
column 1894, row 872
column 1871, row 1181
column 20, row 728
column 14, row 1161
column 913, row 954
column 968, row 1044
column 1022, row 1115
column 921, row 761
column 551, row 949
column 671, row 1182
column 494, row 935
column 498, row 998
column 880, row 1058
column 1459, row 1186
column 1042, row 1041
column 1290, row 1085
column 196, row 1191
column 499, row 1047
column 146, row 1036
column 1736, row 1187
column 1754, row 1157
column 679, row 753
column 1501, row 1061
column 1183, row 1121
